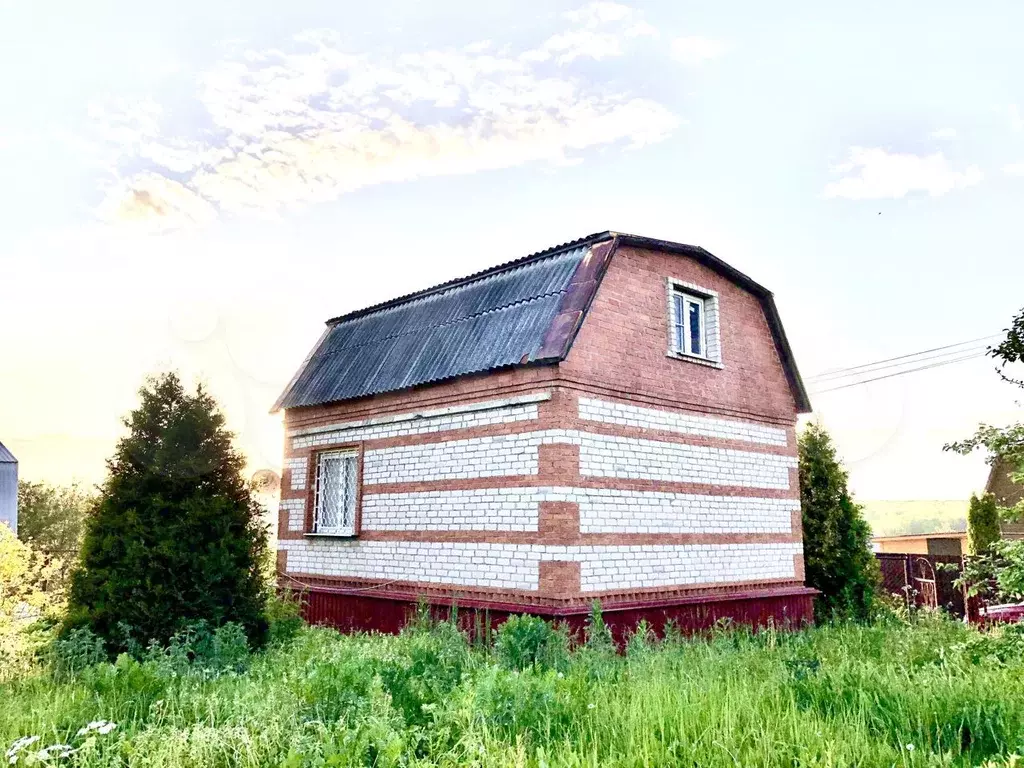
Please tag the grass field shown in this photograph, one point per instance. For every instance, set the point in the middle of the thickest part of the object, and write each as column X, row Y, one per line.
column 926, row 692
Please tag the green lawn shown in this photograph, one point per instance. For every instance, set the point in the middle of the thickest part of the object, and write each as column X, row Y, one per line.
column 926, row 693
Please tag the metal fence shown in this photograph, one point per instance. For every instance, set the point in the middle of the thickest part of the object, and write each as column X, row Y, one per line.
column 925, row 579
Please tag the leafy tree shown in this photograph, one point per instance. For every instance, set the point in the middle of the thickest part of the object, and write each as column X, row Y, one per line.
column 52, row 519
column 176, row 536
column 982, row 524
column 24, row 575
column 837, row 541
column 1003, row 443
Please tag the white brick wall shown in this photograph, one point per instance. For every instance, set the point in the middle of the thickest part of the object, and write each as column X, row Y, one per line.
column 478, row 457
column 490, row 509
column 609, row 568
column 605, row 510
column 516, row 566
column 400, row 426
column 602, row 510
column 501, row 566
column 600, row 456
column 296, row 513
column 608, row 456
column 296, row 469
column 623, row 414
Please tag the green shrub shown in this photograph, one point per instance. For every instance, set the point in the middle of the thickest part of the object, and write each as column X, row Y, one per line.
column 426, row 666
column 641, row 641
column 837, row 541
column 528, row 641
column 597, row 634
column 76, row 650
column 527, row 705
column 176, row 536
column 199, row 648
column 982, row 524
column 284, row 616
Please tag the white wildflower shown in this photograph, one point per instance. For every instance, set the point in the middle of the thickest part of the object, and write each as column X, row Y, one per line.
column 590, row 706
column 910, row 747
column 102, row 727
column 60, row 751
column 23, row 743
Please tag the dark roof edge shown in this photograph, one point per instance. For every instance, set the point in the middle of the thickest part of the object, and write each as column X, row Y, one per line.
column 302, row 369
column 582, row 242
column 771, row 312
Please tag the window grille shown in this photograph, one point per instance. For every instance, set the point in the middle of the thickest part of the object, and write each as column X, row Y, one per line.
column 335, row 494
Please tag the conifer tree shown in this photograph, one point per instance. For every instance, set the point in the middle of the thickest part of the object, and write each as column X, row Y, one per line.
column 982, row 524
column 176, row 536
column 837, row 540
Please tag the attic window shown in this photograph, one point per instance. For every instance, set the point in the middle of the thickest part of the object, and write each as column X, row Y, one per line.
column 693, row 323
column 334, row 510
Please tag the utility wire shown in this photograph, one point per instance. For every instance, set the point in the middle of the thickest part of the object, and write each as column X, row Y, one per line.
column 974, row 356
column 863, row 370
column 835, row 371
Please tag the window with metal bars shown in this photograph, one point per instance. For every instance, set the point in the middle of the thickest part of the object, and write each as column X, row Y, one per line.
column 334, row 503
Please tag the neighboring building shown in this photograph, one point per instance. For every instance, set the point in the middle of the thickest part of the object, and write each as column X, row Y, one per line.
column 1008, row 494
column 612, row 418
column 8, row 488
column 940, row 543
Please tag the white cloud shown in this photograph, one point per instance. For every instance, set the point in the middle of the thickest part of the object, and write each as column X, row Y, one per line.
column 152, row 202
column 943, row 134
column 599, row 31
column 1014, row 169
column 874, row 173
column 694, row 51
column 293, row 128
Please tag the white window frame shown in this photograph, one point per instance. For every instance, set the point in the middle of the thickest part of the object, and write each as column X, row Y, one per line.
column 347, row 524
column 684, row 340
column 680, row 296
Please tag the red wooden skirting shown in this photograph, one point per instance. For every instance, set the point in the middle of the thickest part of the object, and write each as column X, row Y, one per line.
column 354, row 610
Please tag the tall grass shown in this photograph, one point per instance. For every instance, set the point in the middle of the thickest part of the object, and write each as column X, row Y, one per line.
column 922, row 693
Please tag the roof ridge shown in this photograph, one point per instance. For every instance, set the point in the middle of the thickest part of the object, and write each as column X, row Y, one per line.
column 475, row 276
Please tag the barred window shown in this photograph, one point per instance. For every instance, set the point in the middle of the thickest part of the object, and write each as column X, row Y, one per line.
column 334, row 510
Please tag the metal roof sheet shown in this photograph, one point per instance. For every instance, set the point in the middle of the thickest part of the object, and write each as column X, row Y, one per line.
column 6, row 457
column 494, row 320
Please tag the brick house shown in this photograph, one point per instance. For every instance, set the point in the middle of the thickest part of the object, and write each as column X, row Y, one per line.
column 611, row 418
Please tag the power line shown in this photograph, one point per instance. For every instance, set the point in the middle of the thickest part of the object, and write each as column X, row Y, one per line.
column 862, row 370
column 974, row 356
column 835, row 371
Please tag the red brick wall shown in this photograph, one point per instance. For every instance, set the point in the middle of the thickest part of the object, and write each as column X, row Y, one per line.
column 623, row 342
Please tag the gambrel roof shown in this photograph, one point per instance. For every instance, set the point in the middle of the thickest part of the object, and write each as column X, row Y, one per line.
column 524, row 312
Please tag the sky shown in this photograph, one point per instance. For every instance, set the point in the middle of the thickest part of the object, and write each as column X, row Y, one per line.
column 198, row 186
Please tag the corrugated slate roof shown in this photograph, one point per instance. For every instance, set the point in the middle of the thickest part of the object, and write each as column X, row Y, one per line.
column 521, row 312
column 6, row 457
column 495, row 320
